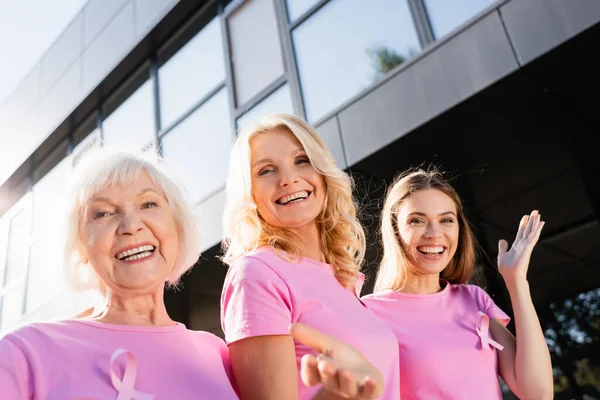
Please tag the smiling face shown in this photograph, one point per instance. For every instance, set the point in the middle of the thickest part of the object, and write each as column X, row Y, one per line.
column 288, row 191
column 129, row 235
column 428, row 226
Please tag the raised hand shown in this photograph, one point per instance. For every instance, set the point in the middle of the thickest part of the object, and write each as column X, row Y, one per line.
column 340, row 368
column 513, row 264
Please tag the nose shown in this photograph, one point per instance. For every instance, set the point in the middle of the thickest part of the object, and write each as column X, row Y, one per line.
column 130, row 223
column 287, row 176
column 433, row 231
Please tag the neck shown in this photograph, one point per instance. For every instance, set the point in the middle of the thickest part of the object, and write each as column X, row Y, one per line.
column 422, row 284
column 137, row 310
column 311, row 243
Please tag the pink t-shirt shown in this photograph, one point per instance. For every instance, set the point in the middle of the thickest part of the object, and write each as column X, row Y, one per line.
column 446, row 350
column 263, row 294
column 73, row 359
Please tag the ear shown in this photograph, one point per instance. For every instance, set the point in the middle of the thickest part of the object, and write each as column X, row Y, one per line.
column 83, row 258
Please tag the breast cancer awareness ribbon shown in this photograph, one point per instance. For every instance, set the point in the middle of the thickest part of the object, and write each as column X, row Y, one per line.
column 483, row 329
column 125, row 387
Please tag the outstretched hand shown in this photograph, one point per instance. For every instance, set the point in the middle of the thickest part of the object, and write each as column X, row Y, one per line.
column 513, row 263
column 340, row 368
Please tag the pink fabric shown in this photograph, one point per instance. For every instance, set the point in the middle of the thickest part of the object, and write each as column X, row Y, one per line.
column 263, row 294
column 445, row 347
column 76, row 359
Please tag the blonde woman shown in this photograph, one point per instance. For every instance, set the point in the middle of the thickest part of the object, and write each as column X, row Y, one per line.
column 452, row 337
column 295, row 247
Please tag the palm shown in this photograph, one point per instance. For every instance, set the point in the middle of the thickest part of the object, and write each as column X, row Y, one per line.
column 513, row 264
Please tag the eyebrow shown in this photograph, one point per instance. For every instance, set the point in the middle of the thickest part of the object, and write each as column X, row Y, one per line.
column 107, row 200
column 440, row 214
column 270, row 160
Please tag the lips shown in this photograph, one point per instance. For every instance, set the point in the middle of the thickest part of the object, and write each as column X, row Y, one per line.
column 135, row 252
column 431, row 250
column 293, row 197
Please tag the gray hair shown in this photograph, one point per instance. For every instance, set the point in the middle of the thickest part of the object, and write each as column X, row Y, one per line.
column 100, row 168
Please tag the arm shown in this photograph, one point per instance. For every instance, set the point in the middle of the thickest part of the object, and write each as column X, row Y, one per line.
column 14, row 375
column 524, row 364
column 264, row 367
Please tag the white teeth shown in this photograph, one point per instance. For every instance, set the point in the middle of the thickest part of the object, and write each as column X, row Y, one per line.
column 137, row 256
column 146, row 248
column 299, row 195
column 431, row 249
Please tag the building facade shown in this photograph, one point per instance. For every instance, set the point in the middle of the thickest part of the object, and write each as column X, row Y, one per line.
column 497, row 93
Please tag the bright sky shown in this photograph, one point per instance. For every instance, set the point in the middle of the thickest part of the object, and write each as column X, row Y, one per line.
column 27, row 29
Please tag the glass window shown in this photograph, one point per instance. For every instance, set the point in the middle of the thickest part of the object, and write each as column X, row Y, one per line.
column 255, row 48
column 49, row 198
column 445, row 16
column 279, row 101
column 45, row 273
column 336, row 59
column 131, row 126
column 12, row 305
column 296, row 8
column 3, row 248
column 18, row 247
column 197, row 150
column 191, row 73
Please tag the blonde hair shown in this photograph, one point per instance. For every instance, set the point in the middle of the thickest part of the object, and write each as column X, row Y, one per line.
column 341, row 234
column 392, row 272
column 100, row 168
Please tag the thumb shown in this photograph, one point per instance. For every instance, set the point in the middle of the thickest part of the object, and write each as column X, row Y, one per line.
column 311, row 337
column 502, row 247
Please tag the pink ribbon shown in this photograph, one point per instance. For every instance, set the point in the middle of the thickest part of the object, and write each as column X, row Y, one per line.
column 483, row 329
column 125, row 387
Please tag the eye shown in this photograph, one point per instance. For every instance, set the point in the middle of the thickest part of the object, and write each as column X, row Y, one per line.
column 415, row 221
column 302, row 160
column 149, row 204
column 447, row 221
column 100, row 214
column 265, row 171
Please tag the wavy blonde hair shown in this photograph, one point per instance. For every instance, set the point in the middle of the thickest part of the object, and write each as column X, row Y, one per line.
column 341, row 234
column 392, row 272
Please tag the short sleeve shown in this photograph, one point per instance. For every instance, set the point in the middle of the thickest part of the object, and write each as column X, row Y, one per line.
column 255, row 301
column 14, row 372
column 487, row 305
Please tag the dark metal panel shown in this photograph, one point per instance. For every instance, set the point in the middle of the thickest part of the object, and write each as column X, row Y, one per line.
column 330, row 133
column 149, row 12
column 536, row 26
column 67, row 48
column 436, row 81
column 108, row 48
column 97, row 14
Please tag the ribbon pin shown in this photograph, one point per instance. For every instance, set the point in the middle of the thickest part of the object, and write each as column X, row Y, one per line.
column 125, row 387
column 483, row 329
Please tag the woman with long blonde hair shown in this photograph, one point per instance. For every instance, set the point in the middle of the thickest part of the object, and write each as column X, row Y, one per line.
column 452, row 338
column 294, row 246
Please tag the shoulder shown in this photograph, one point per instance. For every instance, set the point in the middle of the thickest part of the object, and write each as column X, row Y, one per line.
column 207, row 338
column 474, row 292
column 40, row 334
column 261, row 263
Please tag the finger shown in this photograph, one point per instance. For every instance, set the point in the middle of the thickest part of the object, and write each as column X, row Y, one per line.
column 311, row 337
column 530, row 224
column 349, row 385
column 522, row 225
column 502, row 247
column 369, row 390
column 328, row 374
column 309, row 371
column 535, row 235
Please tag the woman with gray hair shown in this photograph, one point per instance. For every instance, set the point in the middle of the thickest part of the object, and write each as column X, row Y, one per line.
column 130, row 233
